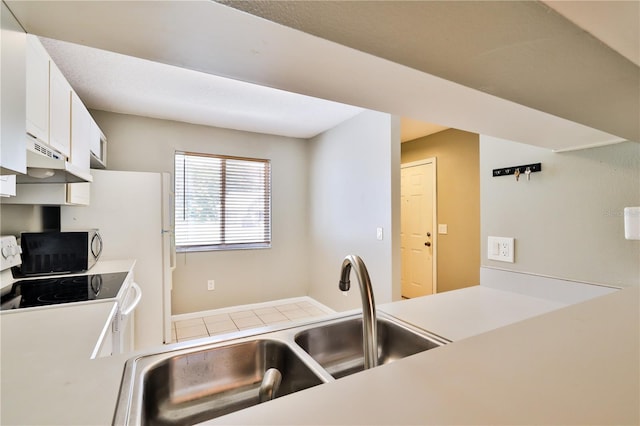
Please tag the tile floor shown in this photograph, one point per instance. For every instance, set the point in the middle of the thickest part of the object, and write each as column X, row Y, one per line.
column 244, row 318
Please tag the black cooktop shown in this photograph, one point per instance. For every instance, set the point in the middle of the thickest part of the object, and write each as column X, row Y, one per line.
column 65, row 289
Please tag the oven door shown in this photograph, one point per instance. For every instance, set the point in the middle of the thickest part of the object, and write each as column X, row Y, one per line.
column 123, row 336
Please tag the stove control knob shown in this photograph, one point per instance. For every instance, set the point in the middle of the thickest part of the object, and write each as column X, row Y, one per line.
column 10, row 251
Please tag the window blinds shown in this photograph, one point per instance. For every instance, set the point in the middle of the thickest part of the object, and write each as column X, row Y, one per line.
column 222, row 202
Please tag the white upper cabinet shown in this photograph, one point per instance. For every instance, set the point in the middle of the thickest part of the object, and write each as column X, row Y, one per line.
column 81, row 133
column 48, row 99
column 98, row 147
column 58, row 120
column 59, row 111
column 8, row 186
column 13, row 156
column 95, row 145
column 37, row 89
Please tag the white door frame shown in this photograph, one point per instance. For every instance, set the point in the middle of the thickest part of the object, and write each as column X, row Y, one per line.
column 432, row 160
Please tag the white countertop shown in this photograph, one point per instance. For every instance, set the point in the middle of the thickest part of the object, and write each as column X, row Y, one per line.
column 47, row 376
column 467, row 312
column 574, row 365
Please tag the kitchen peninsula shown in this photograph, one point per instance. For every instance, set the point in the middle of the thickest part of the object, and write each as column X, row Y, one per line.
column 563, row 365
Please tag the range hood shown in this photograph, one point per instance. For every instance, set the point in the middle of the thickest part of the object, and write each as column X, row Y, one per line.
column 46, row 166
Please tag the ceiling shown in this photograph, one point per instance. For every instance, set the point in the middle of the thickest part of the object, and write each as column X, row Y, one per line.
column 212, row 39
column 114, row 82
column 414, row 129
column 615, row 23
column 522, row 51
column 109, row 81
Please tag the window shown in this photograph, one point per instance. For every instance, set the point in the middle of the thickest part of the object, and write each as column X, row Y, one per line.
column 222, row 202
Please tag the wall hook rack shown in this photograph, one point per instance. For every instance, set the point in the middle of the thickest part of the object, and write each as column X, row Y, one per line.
column 518, row 170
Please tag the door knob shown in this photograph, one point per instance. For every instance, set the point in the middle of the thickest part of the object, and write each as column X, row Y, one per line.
column 428, row 244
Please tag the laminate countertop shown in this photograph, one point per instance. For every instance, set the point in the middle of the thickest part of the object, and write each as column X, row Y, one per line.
column 514, row 359
column 576, row 365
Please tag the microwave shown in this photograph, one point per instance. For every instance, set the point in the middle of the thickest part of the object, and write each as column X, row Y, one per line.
column 60, row 252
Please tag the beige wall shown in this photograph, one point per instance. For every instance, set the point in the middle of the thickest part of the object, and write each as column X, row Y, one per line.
column 242, row 276
column 458, row 197
column 354, row 187
column 15, row 219
column 568, row 220
column 328, row 200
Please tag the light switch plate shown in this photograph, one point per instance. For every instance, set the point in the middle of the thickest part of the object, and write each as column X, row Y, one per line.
column 443, row 228
column 632, row 223
column 501, row 249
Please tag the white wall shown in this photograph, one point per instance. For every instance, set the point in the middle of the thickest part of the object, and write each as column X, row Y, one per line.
column 354, row 186
column 567, row 221
column 242, row 276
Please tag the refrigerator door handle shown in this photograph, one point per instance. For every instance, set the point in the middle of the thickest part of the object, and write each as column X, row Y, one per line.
column 172, row 235
column 172, row 248
column 172, row 245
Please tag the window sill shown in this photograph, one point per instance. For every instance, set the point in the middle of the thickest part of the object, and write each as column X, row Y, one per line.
column 223, row 247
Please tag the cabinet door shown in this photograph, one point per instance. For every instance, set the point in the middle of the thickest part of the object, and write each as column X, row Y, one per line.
column 13, row 154
column 59, row 111
column 8, row 186
column 94, row 144
column 81, row 133
column 98, row 147
column 37, row 86
column 79, row 194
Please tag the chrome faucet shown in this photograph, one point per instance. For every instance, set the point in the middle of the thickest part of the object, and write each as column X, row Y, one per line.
column 369, row 327
column 270, row 385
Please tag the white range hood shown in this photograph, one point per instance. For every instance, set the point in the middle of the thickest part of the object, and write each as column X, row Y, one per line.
column 45, row 166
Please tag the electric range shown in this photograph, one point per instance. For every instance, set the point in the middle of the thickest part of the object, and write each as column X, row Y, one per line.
column 31, row 293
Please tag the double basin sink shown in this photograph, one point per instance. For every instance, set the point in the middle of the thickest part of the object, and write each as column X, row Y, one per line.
column 192, row 384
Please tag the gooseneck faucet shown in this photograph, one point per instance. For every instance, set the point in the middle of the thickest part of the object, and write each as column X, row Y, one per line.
column 369, row 327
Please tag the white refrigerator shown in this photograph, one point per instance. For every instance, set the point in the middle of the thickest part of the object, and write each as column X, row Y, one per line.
column 134, row 213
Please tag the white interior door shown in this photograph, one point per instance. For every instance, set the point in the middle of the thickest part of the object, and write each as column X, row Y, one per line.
column 417, row 228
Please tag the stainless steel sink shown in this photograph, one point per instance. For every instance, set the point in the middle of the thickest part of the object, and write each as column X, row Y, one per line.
column 193, row 382
column 337, row 345
column 192, row 386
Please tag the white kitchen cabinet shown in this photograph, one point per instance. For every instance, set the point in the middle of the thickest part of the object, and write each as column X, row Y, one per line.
column 98, row 147
column 51, row 194
column 79, row 194
column 80, row 123
column 8, row 186
column 59, row 111
column 58, row 120
column 37, row 89
column 13, row 41
column 81, row 134
column 48, row 99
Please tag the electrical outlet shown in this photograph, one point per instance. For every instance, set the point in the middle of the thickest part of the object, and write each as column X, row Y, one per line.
column 211, row 285
column 501, row 249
